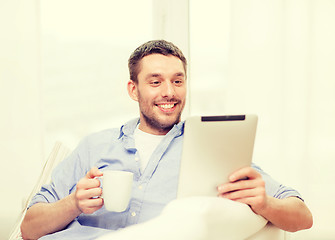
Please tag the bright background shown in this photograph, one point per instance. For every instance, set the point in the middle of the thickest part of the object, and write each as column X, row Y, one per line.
column 63, row 75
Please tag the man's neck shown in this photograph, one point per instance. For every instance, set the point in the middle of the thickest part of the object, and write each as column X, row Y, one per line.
column 154, row 131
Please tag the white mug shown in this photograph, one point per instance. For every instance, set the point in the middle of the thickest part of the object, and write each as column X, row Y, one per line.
column 116, row 189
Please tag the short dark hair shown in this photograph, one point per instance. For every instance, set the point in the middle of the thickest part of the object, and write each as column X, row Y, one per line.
column 155, row 46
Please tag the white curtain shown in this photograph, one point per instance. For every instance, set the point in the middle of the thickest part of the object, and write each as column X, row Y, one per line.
column 276, row 59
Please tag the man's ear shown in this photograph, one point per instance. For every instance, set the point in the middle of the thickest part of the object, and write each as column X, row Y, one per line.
column 132, row 90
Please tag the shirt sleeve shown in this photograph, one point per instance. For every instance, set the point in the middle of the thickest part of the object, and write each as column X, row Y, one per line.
column 64, row 177
column 275, row 189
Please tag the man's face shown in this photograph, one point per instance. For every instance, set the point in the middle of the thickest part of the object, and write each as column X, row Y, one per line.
column 160, row 92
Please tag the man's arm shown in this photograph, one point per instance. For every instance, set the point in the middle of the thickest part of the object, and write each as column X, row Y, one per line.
column 46, row 218
column 290, row 214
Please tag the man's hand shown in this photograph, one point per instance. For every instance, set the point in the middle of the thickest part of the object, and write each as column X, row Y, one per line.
column 88, row 189
column 246, row 186
column 45, row 218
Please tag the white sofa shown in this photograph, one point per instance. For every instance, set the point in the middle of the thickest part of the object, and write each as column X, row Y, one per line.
column 196, row 218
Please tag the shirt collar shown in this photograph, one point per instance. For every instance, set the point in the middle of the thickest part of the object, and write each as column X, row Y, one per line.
column 129, row 128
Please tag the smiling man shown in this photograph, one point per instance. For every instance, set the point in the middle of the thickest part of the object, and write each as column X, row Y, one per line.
column 150, row 147
column 160, row 89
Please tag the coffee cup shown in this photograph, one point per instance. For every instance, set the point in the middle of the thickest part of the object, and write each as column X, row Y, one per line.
column 116, row 189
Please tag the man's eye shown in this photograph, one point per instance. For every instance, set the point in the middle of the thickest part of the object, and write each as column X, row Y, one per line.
column 155, row 83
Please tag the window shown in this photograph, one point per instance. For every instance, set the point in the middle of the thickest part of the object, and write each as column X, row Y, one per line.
column 85, row 46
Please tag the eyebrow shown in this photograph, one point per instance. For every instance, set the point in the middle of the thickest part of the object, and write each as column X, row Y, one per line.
column 153, row 75
column 157, row 75
column 180, row 74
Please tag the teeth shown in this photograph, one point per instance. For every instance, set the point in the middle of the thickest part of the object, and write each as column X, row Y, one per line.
column 166, row 106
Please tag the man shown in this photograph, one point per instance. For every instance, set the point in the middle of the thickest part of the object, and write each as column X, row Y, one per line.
column 150, row 147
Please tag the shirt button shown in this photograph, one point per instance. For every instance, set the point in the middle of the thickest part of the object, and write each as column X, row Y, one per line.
column 136, row 159
column 140, row 187
column 133, row 214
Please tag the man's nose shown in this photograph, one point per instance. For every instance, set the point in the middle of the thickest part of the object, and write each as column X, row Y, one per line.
column 168, row 90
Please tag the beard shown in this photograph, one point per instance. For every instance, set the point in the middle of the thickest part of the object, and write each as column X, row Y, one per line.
column 161, row 126
column 161, row 123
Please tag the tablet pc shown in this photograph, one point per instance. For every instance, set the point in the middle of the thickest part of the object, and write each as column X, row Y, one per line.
column 213, row 148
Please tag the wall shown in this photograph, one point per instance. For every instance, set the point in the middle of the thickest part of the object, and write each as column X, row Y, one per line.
column 276, row 59
column 21, row 138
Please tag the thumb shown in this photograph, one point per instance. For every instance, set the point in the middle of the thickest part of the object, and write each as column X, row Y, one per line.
column 93, row 173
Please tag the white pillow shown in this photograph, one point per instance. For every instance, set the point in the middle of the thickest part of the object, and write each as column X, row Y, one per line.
column 196, row 218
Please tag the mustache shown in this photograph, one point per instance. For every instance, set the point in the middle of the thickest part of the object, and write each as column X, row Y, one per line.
column 168, row 100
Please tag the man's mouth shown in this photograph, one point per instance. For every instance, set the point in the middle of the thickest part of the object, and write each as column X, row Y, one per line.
column 167, row 107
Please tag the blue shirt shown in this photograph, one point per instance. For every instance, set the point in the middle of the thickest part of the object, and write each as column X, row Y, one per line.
column 114, row 149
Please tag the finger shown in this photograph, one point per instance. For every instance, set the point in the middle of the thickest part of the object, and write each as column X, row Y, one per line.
column 90, row 206
column 91, row 203
column 249, row 201
column 239, row 185
column 89, row 193
column 244, row 173
column 241, row 194
column 88, row 183
column 90, row 210
column 93, row 173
